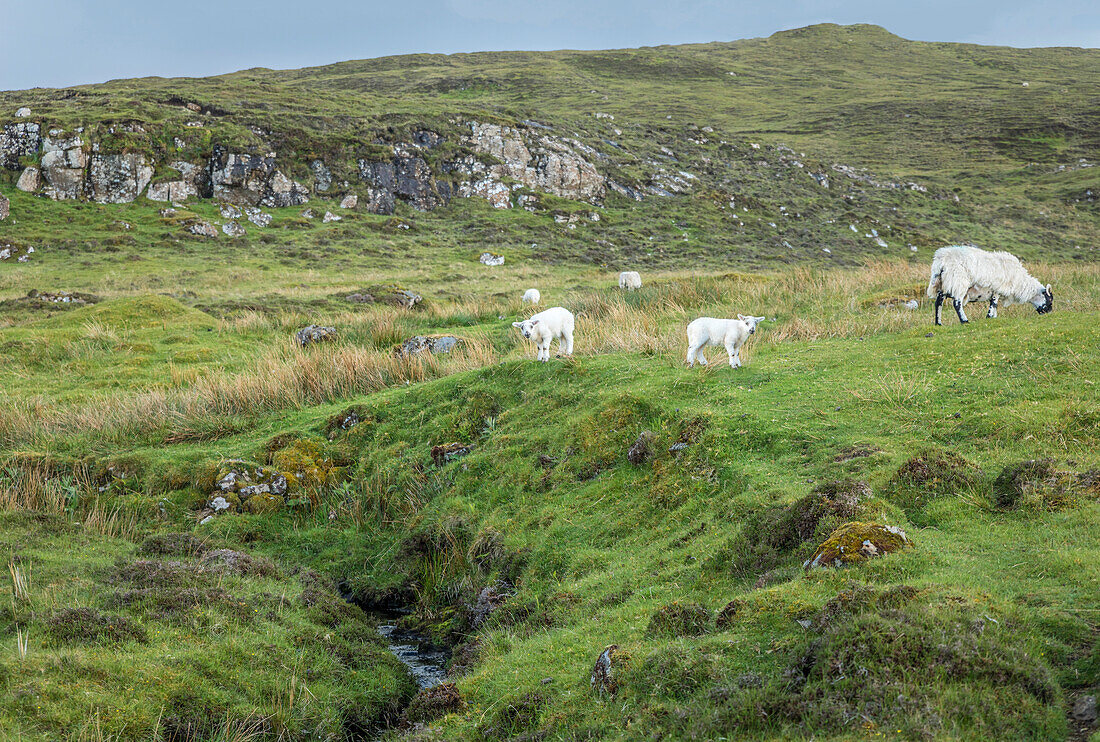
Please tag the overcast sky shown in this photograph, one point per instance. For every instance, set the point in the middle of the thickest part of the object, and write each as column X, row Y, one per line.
column 69, row 42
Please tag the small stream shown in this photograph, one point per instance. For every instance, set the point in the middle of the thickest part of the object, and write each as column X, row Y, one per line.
column 424, row 658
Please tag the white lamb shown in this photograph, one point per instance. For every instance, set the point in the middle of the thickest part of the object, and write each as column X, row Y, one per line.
column 967, row 274
column 555, row 323
column 731, row 333
column 630, row 280
column 532, row 296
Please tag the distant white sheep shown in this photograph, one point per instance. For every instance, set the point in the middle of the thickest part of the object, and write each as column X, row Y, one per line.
column 555, row 323
column 966, row 274
column 731, row 333
column 630, row 280
column 532, row 296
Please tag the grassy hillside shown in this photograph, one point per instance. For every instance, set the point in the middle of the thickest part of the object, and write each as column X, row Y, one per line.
column 529, row 516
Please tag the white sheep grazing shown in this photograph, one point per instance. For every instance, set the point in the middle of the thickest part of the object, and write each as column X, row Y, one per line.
column 967, row 274
column 630, row 280
column 555, row 323
column 532, row 296
column 731, row 333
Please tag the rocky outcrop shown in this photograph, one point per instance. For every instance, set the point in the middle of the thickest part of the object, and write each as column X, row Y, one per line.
column 406, row 177
column 63, row 166
column 116, row 179
column 541, row 162
column 5, row 207
column 190, row 184
column 18, row 140
column 253, row 179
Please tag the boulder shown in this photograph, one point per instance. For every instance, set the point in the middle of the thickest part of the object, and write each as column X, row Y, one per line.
column 203, row 229
column 330, row 217
column 5, row 207
column 233, row 229
column 1084, row 710
column 281, row 191
column 642, row 449
column 22, row 113
column 236, row 478
column 322, row 176
column 315, row 334
column 30, row 180
column 229, row 211
column 490, row 258
column 257, row 217
column 63, row 167
column 602, row 679
column 23, row 139
column 432, row 344
column 857, row 542
column 118, row 179
column 349, row 201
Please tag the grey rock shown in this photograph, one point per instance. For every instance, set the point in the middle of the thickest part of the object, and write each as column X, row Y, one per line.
column 1084, row 710
column 5, row 207
column 281, row 191
column 22, row 139
column 30, row 180
column 330, row 217
column 642, row 449
column 488, row 258
column 63, row 167
column 420, row 343
column 229, row 211
column 190, row 184
column 23, row 112
column 233, row 229
column 203, row 229
column 603, row 680
column 257, row 217
column 349, row 201
column 118, row 179
column 322, row 176
column 315, row 334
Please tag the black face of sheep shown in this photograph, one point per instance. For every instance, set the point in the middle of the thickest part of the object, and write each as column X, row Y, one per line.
column 1048, row 301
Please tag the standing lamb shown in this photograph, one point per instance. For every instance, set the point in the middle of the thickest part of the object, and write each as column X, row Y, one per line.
column 555, row 323
column 630, row 280
column 732, row 333
column 532, row 296
column 967, row 274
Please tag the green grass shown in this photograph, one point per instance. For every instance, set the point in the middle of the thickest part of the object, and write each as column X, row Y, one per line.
column 117, row 418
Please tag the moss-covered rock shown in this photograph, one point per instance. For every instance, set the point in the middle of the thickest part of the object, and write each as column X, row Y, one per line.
column 265, row 503
column 856, row 542
column 305, row 465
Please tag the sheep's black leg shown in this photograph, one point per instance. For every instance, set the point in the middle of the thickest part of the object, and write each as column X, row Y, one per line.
column 992, row 306
column 959, row 311
column 939, row 308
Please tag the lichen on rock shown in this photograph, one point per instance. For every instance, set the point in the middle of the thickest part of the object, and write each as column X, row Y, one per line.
column 856, row 542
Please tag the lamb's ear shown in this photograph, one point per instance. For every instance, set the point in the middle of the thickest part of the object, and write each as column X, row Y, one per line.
column 517, row 324
column 758, row 319
column 743, row 318
column 534, row 322
column 1048, row 289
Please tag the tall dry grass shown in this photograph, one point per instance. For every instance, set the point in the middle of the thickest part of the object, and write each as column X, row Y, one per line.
column 801, row 304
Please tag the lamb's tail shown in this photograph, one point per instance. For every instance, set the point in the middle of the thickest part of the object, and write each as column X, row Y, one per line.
column 935, row 283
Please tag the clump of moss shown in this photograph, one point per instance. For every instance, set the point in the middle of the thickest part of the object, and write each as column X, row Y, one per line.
column 87, row 625
column 676, row 671
column 930, row 475
column 856, row 542
column 679, row 619
column 1036, row 484
column 172, row 544
column 305, row 465
column 768, row 537
column 433, row 703
column 228, row 561
column 857, row 598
